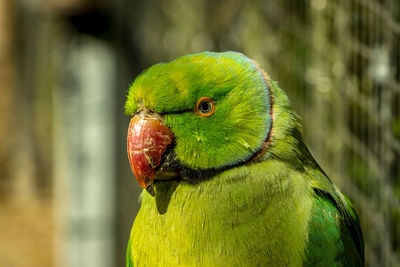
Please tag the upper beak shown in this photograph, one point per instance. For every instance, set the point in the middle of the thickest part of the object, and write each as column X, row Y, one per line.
column 148, row 138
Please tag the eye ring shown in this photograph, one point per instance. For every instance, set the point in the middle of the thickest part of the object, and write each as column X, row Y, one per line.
column 205, row 107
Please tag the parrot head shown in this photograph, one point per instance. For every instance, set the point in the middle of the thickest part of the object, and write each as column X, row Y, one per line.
column 197, row 115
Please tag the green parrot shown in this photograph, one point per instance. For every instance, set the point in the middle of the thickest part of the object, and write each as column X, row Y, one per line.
column 228, row 179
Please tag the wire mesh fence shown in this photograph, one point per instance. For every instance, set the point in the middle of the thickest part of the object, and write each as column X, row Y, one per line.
column 351, row 119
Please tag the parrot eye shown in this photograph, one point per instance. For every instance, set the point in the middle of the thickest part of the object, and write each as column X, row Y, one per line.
column 205, row 107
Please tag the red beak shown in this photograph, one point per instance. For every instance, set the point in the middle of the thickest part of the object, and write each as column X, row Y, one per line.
column 148, row 138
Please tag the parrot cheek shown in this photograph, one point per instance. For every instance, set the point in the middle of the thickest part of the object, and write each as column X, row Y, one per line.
column 147, row 140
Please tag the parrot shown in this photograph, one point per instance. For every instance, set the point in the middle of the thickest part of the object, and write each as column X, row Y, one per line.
column 227, row 178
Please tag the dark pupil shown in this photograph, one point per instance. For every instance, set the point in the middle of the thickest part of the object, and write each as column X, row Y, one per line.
column 205, row 107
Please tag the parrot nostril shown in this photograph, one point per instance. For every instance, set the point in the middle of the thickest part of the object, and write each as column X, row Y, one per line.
column 145, row 112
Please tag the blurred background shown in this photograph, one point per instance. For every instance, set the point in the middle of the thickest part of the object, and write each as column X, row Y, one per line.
column 67, row 196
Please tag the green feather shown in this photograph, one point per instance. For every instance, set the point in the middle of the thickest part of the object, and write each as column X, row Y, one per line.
column 333, row 239
column 129, row 262
column 223, row 221
column 263, row 200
